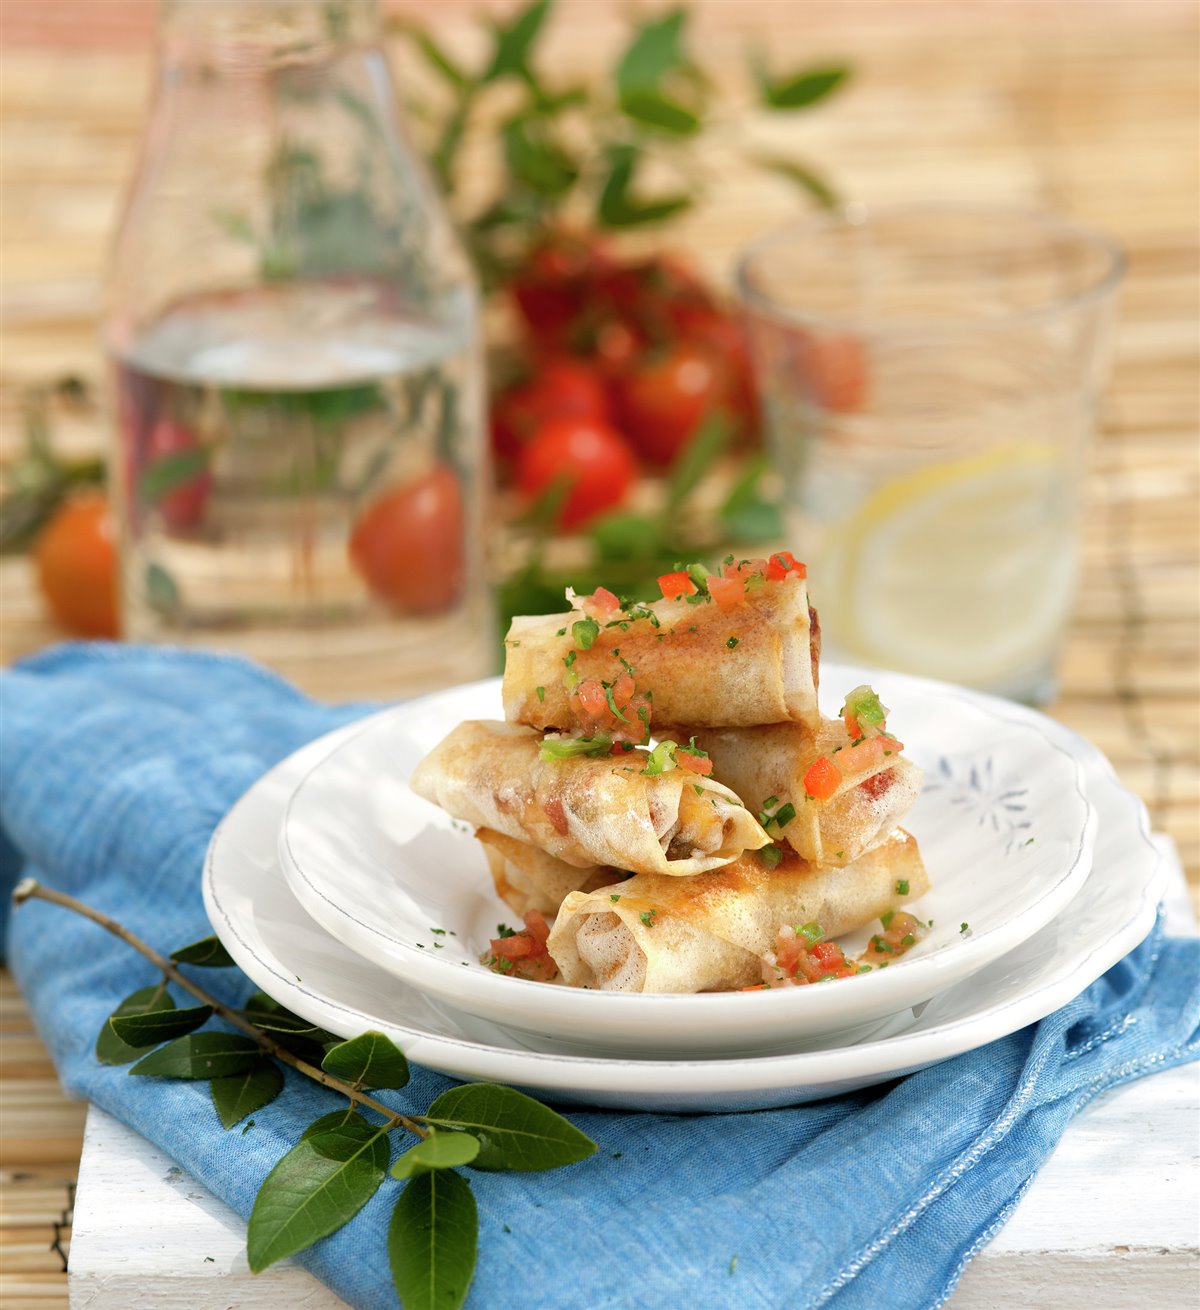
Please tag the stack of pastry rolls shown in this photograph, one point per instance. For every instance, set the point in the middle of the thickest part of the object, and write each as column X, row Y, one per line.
column 665, row 789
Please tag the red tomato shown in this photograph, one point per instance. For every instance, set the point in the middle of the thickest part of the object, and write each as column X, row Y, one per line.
column 552, row 288
column 822, row 779
column 694, row 763
column 590, row 456
column 724, row 335
column 833, row 370
column 76, row 562
column 662, row 402
column 408, row 544
column 183, row 506
column 563, row 389
column 674, row 585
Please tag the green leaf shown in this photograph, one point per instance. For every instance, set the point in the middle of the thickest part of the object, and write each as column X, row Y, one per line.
column 207, row 953
column 697, row 457
column 622, row 536
column 110, row 1049
column 537, row 161
column 799, row 90
column 803, row 177
column 200, row 1055
column 654, row 52
column 514, row 43
column 155, row 1026
column 757, row 521
column 432, row 1241
column 171, row 472
column 265, row 1012
column 321, row 1184
column 369, row 1060
column 444, row 153
column 162, row 594
column 240, row 1094
column 654, row 110
column 617, row 208
column 437, row 58
column 440, row 1151
column 517, row 1132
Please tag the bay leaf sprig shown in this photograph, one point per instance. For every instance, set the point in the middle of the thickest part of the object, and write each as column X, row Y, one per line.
column 344, row 1157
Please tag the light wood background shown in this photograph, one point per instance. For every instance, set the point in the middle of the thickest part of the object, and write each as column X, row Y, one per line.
column 1089, row 107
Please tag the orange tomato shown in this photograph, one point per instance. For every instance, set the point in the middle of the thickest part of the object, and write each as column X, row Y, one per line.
column 76, row 561
column 408, row 544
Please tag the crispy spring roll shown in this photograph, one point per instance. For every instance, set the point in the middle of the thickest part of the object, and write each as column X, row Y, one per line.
column 710, row 933
column 586, row 811
column 527, row 878
column 767, row 763
column 701, row 664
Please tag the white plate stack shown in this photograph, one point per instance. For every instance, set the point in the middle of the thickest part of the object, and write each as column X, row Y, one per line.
column 360, row 906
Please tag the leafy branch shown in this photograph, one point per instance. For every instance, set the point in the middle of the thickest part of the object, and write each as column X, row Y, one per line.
column 585, row 148
column 343, row 1157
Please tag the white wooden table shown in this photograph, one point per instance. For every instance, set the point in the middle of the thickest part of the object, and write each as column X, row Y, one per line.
column 1112, row 1221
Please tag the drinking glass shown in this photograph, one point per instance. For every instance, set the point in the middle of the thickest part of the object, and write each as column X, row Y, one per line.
column 930, row 378
column 298, row 455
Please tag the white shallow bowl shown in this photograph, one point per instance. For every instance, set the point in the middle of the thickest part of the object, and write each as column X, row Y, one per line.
column 1004, row 824
column 279, row 946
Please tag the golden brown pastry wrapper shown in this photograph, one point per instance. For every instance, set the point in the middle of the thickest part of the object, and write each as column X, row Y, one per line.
column 771, row 761
column 695, row 675
column 586, row 811
column 710, row 932
column 526, row 878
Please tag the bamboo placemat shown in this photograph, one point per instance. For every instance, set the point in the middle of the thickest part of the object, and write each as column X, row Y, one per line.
column 1089, row 108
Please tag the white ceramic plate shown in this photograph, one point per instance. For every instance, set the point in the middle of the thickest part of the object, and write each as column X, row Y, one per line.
column 1004, row 824
column 276, row 943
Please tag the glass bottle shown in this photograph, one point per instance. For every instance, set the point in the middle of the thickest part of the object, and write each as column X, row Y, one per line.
column 298, row 455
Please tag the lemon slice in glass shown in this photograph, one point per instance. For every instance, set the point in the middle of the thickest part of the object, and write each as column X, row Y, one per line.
column 962, row 570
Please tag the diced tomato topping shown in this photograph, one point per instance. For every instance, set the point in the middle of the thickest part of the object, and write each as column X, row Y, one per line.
column 822, row 779
column 516, row 947
column 537, row 927
column 868, row 754
column 693, row 763
column 902, row 931
column 787, row 952
column 783, row 564
column 623, row 689
column 852, row 725
column 592, row 700
column 524, row 954
column 828, row 955
column 603, row 601
column 675, row 585
column 728, row 592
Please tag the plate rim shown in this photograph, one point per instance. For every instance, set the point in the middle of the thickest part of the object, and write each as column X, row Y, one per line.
column 640, row 1013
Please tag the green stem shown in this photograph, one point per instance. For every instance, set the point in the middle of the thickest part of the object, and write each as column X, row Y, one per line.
column 31, row 889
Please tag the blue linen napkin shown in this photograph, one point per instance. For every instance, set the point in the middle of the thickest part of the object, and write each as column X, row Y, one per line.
column 115, row 765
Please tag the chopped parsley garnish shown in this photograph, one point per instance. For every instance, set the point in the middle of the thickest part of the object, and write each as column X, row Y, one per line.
column 902, row 887
column 567, row 748
column 907, row 939
column 503, row 930
column 614, row 897
column 562, row 632
column 780, row 817
column 628, row 667
column 661, row 759
column 770, row 855
column 612, row 704
column 570, row 658
column 732, row 642
column 438, row 932
column 841, row 855
column 697, row 789
column 541, row 695
column 585, row 632
column 1029, row 842
column 964, row 928
column 863, row 968
column 647, row 917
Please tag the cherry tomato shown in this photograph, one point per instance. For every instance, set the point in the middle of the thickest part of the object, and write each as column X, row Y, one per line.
column 591, row 456
column 408, row 544
column 725, row 335
column 833, row 371
column 552, row 288
column 182, row 506
column 663, row 401
column 563, row 389
column 76, row 562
